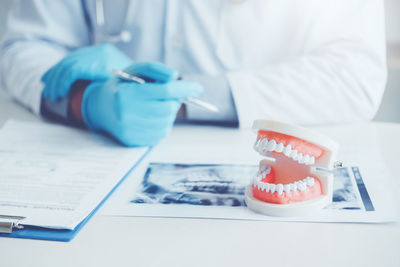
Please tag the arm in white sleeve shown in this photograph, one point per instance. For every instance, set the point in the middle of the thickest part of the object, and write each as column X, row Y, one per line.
column 339, row 78
column 39, row 34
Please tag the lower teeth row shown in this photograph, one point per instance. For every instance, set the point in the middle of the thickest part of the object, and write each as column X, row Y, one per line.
column 280, row 188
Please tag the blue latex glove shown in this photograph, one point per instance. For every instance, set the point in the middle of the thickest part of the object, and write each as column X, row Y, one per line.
column 89, row 63
column 137, row 114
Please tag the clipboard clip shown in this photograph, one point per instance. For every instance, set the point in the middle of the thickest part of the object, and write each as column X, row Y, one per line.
column 9, row 223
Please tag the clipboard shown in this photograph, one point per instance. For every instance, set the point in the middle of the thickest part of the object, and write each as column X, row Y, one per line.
column 12, row 226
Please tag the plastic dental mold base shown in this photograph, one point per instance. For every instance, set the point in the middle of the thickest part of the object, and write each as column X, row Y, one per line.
column 287, row 182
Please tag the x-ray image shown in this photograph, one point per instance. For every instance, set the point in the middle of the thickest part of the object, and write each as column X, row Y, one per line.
column 220, row 185
column 195, row 184
column 344, row 192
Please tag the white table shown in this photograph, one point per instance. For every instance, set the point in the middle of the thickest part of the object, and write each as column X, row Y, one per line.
column 132, row 241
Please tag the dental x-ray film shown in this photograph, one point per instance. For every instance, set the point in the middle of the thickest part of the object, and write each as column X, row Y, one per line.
column 225, row 184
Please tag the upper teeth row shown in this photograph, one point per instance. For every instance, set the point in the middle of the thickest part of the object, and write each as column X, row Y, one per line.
column 263, row 146
column 280, row 188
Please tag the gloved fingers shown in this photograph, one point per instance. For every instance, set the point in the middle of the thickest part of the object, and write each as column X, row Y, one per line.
column 62, row 80
column 96, row 72
column 147, row 108
column 50, row 79
column 134, row 122
column 154, row 91
column 92, row 63
column 154, row 123
column 174, row 90
column 137, row 136
column 154, row 118
column 149, row 117
column 105, row 57
column 156, row 71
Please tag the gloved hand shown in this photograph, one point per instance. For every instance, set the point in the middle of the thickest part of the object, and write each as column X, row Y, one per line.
column 91, row 63
column 137, row 114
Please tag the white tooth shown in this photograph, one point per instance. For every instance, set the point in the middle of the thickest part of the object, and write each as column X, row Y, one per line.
column 263, row 167
column 301, row 186
column 272, row 187
column 293, row 155
column 256, row 144
column 300, row 158
column 271, row 145
column 266, row 185
column 287, row 150
column 286, row 188
column 310, row 181
column 269, row 188
column 259, row 148
column 263, row 186
column 306, row 159
column 293, row 187
column 262, row 144
column 259, row 186
column 264, row 141
column 312, row 160
column 279, row 147
column 279, row 189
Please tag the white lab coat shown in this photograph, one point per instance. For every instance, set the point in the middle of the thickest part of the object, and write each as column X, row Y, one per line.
column 299, row 61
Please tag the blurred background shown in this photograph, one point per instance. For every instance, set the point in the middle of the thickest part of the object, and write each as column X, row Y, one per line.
column 390, row 107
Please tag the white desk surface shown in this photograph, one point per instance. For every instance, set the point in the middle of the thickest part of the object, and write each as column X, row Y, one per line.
column 132, row 241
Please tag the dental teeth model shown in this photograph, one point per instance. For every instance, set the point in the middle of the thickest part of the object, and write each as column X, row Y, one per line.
column 288, row 183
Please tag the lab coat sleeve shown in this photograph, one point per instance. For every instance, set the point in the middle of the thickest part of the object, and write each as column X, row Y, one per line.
column 341, row 78
column 39, row 34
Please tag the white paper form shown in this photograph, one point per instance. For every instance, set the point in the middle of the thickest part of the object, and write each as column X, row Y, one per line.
column 55, row 175
column 184, row 177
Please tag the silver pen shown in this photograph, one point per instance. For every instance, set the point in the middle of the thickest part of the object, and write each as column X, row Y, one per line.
column 141, row 80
